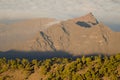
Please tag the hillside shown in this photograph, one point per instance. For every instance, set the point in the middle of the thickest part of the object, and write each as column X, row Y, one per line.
column 84, row 35
column 47, row 49
column 78, row 36
column 84, row 68
column 18, row 33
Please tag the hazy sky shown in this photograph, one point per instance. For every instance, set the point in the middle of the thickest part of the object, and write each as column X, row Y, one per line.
column 107, row 11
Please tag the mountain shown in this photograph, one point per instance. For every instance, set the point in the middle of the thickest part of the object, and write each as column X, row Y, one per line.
column 78, row 36
column 18, row 33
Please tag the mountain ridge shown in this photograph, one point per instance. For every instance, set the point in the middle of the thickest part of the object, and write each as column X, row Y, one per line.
column 77, row 36
column 71, row 37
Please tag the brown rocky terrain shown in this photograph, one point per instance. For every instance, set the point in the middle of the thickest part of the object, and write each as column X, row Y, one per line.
column 78, row 36
column 83, row 35
column 16, row 34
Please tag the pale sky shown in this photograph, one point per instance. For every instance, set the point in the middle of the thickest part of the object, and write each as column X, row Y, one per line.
column 107, row 11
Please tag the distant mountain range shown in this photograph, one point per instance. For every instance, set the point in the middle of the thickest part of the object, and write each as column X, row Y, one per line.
column 83, row 35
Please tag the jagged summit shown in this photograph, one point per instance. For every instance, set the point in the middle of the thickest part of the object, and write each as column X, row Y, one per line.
column 89, row 18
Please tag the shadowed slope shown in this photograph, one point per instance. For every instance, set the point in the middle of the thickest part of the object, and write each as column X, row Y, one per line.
column 30, row 55
column 83, row 24
column 12, row 54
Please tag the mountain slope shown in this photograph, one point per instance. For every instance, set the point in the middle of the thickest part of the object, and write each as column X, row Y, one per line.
column 18, row 33
column 78, row 36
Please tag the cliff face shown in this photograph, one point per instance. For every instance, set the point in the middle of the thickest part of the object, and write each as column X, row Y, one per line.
column 82, row 35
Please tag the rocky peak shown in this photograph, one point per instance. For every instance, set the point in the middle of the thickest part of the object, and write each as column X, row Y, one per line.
column 88, row 18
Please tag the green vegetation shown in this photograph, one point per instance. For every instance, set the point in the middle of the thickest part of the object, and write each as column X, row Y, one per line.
column 84, row 68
